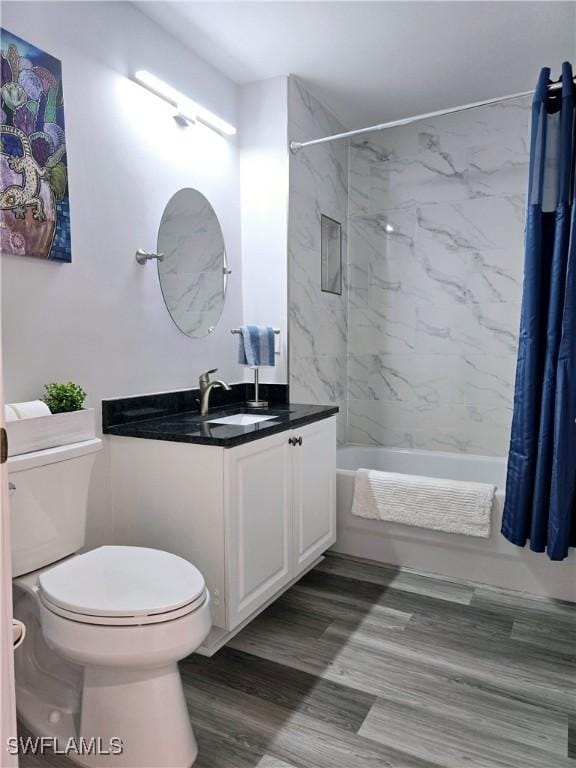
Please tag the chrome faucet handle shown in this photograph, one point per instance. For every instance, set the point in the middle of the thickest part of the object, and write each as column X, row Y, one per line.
column 205, row 377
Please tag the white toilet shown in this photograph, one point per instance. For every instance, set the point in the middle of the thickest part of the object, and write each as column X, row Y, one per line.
column 105, row 629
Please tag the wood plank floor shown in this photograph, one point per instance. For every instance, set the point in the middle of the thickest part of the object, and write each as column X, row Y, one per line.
column 359, row 666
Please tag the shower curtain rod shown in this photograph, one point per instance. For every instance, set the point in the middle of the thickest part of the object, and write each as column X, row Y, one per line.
column 295, row 146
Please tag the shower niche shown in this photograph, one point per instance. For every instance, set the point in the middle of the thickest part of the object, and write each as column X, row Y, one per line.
column 331, row 255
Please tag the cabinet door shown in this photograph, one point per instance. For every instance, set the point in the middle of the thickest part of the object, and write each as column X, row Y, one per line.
column 259, row 538
column 314, row 491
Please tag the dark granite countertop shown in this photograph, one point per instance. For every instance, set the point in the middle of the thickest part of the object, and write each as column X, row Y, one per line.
column 190, row 427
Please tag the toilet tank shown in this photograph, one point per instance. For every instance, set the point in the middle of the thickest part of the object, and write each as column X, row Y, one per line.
column 48, row 499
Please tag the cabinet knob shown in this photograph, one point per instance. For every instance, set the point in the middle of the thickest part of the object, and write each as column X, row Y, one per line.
column 299, row 440
column 291, row 441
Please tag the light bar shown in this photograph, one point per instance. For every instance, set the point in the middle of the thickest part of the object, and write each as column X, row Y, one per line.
column 187, row 108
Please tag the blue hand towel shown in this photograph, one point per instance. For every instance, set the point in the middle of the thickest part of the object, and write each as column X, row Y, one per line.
column 256, row 346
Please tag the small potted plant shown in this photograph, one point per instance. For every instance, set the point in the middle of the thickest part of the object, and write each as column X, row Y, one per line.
column 69, row 422
column 64, row 398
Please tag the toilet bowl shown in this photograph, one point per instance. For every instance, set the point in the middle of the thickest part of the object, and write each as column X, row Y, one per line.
column 124, row 617
column 98, row 669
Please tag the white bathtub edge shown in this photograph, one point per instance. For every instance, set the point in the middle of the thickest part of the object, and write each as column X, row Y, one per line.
column 493, row 562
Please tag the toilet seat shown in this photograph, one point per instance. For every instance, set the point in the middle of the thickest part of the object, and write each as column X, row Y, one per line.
column 123, row 621
column 122, row 586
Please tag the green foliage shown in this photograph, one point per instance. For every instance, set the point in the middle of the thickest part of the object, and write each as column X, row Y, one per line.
column 61, row 398
column 58, row 179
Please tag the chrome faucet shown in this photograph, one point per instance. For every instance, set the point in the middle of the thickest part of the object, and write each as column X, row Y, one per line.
column 206, row 386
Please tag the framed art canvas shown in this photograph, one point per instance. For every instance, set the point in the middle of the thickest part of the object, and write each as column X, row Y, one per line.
column 34, row 202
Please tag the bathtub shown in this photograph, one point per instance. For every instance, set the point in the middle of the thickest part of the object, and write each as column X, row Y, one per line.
column 492, row 561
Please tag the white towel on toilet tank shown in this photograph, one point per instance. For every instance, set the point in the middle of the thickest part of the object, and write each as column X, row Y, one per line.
column 426, row 502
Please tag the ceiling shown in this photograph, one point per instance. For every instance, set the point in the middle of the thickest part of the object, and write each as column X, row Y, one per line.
column 376, row 61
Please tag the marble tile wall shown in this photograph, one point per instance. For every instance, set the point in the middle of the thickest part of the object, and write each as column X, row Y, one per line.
column 435, row 239
column 318, row 321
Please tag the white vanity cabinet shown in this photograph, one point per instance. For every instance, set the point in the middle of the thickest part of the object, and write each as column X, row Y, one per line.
column 280, row 500
column 258, row 503
column 252, row 518
column 313, row 494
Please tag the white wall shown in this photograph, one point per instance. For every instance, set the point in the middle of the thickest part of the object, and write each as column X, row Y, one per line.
column 101, row 321
column 264, row 193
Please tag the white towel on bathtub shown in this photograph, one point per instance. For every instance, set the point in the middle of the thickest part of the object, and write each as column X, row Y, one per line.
column 426, row 502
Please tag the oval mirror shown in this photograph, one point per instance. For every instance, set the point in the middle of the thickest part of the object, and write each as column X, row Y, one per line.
column 193, row 271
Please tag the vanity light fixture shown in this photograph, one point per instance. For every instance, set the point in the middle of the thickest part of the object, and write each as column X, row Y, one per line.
column 188, row 111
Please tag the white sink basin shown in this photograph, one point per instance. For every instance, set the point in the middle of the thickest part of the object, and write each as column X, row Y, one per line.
column 241, row 419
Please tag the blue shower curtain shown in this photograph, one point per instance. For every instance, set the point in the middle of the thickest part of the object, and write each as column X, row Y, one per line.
column 540, row 501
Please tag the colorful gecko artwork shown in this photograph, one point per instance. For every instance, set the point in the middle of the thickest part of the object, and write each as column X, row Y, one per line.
column 34, row 202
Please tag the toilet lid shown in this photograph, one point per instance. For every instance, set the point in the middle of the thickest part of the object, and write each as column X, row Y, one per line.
column 122, row 581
